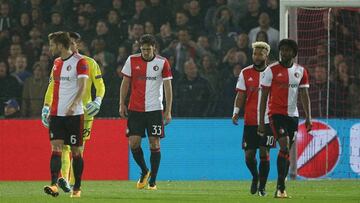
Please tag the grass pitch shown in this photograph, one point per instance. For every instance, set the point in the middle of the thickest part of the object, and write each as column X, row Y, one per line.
column 186, row 191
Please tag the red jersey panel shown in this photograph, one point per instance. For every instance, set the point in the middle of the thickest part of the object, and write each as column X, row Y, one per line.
column 146, row 82
column 249, row 82
column 284, row 84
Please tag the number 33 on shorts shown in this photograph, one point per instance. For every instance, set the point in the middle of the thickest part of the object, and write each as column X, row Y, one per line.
column 157, row 130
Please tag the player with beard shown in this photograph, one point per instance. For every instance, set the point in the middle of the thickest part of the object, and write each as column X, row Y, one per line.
column 248, row 99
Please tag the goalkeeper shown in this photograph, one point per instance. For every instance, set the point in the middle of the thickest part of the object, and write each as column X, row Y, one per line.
column 92, row 107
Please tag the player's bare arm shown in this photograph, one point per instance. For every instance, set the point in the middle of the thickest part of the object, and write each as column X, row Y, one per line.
column 305, row 100
column 263, row 101
column 78, row 97
column 168, row 98
column 124, row 88
column 239, row 104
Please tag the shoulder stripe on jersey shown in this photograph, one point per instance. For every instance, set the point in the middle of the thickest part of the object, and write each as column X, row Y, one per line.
column 83, row 76
column 273, row 64
column 125, row 75
column 240, row 90
column 168, row 78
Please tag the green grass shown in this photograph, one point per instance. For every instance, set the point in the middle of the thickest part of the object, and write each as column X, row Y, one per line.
column 186, row 191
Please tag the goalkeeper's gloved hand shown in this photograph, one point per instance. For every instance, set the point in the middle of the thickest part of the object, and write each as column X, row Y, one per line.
column 93, row 108
column 45, row 115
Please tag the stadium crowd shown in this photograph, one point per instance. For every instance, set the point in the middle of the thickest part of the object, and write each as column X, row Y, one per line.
column 207, row 42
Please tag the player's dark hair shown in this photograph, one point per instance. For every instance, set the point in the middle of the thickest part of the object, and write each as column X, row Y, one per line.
column 75, row 35
column 291, row 43
column 147, row 39
column 60, row 38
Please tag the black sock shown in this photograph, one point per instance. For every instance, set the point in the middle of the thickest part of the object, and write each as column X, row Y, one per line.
column 264, row 168
column 155, row 163
column 55, row 166
column 282, row 164
column 252, row 166
column 78, row 166
column 139, row 159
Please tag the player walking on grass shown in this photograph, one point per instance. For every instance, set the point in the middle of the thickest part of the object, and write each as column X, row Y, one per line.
column 281, row 82
column 66, row 120
column 146, row 73
column 248, row 98
column 92, row 107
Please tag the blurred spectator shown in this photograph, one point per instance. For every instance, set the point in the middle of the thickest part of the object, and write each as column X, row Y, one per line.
column 182, row 21
column 7, row 21
column 15, row 51
column 318, row 92
column 264, row 25
column 83, row 27
column 320, row 58
column 110, row 41
column 11, row 109
column 141, row 11
column 21, row 74
column 37, row 18
column 251, row 17
column 196, row 17
column 9, row 87
column 209, row 71
column 354, row 96
column 123, row 53
column 272, row 8
column 158, row 13
column 166, row 36
column 120, row 7
column 117, row 26
column 231, row 58
column 34, row 44
column 183, row 49
column 225, row 102
column 204, row 45
column 135, row 30
column 112, row 81
column 25, row 25
column 210, row 15
column 149, row 28
column 106, row 58
column 221, row 42
column 192, row 93
column 224, row 16
column 242, row 44
column 262, row 36
column 34, row 92
column 56, row 24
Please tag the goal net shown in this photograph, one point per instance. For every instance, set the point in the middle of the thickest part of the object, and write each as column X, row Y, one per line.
column 328, row 35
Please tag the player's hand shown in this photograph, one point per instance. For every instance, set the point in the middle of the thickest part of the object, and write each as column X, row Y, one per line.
column 71, row 110
column 167, row 117
column 93, row 108
column 261, row 130
column 45, row 116
column 308, row 125
column 235, row 119
column 123, row 111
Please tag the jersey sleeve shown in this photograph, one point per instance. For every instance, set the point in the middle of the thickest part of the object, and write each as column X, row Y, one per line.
column 98, row 80
column 126, row 71
column 166, row 72
column 82, row 68
column 266, row 78
column 49, row 92
column 240, row 85
column 304, row 82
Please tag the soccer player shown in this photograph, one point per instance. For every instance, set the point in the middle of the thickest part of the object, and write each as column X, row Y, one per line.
column 64, row 114
column 92, row 107
column 248, row 95
column 281, row 82
column 146, row 73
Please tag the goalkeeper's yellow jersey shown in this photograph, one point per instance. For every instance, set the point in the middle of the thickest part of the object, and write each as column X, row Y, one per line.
column 95, row 77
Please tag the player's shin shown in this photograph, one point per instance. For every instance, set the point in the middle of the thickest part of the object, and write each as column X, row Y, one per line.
column 138, row 155
column 78, row 166
column 282, row 165
column 155, row 163
column 264, row 168
column 65, row 162
column 55, row 166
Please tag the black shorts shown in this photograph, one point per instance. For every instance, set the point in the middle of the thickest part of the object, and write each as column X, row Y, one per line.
column 151, row 121
column 282, row 125
column 252, row 140
column 67, row 128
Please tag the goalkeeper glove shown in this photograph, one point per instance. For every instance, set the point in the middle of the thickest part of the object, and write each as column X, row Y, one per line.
column 93, row 107
column 45, row 115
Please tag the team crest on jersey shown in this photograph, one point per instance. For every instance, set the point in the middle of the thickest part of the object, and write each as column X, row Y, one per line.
column 68, row 68
column 297, row 74
column 156, row 68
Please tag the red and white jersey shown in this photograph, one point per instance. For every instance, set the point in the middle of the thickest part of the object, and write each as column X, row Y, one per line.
column 249, row 82
column 146, row 82
column 65, row 74
column 284, row 84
